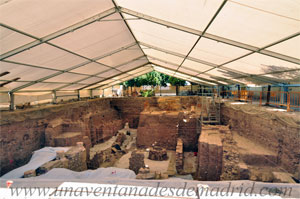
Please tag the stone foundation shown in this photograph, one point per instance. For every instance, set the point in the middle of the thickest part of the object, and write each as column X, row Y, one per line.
column 136, row 161
column 210, row 154
column 159, row 128
column 24, row 131
column 277, row 131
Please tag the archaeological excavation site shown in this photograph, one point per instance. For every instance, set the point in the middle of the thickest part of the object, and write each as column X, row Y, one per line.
column 115, row 98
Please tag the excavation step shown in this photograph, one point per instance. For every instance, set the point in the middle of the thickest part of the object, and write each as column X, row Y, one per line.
column 253, row 154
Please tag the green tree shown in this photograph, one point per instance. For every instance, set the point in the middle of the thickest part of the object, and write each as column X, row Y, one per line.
column 155, row 78
column 177, row 82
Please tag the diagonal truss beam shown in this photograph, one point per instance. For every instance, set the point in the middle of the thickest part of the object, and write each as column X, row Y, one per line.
column 177, row 54
column 123, row 79
column 41, row 67
column 129, row 29
column 127, row 25
column 210, row 64
column 113, row 76
column 258, row 50
column 95, row 75
column 69, row 69
column 59, row 33
column 193, row 70
column 188, row 79
column 27, row 81
column 206, row 28
column 210, row 36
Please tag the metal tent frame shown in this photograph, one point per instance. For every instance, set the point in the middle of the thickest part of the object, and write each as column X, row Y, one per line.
column 140, row 60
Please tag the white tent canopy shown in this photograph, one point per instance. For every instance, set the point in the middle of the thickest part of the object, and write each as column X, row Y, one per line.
column 95, row 44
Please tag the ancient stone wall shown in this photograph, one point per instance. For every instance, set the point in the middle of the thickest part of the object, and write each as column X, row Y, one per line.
column 23, row 131
column 130, row 108
column 278, row 132
column 157, row 128
column 210, row 154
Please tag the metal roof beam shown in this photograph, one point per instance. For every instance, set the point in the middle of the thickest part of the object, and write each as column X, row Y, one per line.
column 208, row 25
column 210, row 36
column 26, row 81
column 177, row 54
column 95, row 75
column 127, row 25
column 207, row 63
column 71, row 68
column 193, row 70
column 59, row 33
column 123, row 79
column 114, row 76
column 215, row 82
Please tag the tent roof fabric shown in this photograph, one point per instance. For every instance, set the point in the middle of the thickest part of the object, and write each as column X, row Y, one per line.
column 95, row 44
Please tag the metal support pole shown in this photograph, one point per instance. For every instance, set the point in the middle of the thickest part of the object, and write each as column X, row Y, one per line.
column 103, row 93
column 268, row 95
column 78, row 95
column 288, row 108
column 260, row 98
column 11, row 101
column 54, row 97
column 160, row 89
column 91, row 93
column 239, row 92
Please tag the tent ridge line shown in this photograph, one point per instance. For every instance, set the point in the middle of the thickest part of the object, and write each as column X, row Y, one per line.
column 127, row 25
column 204, row 31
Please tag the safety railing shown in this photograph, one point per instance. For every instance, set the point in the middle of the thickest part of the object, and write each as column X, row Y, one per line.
column 288, row 100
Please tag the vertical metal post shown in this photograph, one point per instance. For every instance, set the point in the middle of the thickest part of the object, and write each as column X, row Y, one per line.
column 288, row 108
column 268, row 95
column 91, row 93
column 160, row 89
column 54, row 97
column 260, row 98
column 103, row 93
column 78, row 95
column 11, row 101
column 239, row 92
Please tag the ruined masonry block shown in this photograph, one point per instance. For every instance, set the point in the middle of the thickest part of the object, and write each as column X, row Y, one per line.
column 210, row 153
column 136, row 161
column 179, row 156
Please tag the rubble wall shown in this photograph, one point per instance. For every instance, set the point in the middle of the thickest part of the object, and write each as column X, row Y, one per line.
column 130, row 108
column 158, row 128
column 23, row 131
column 210, row 154
column 277, row 131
